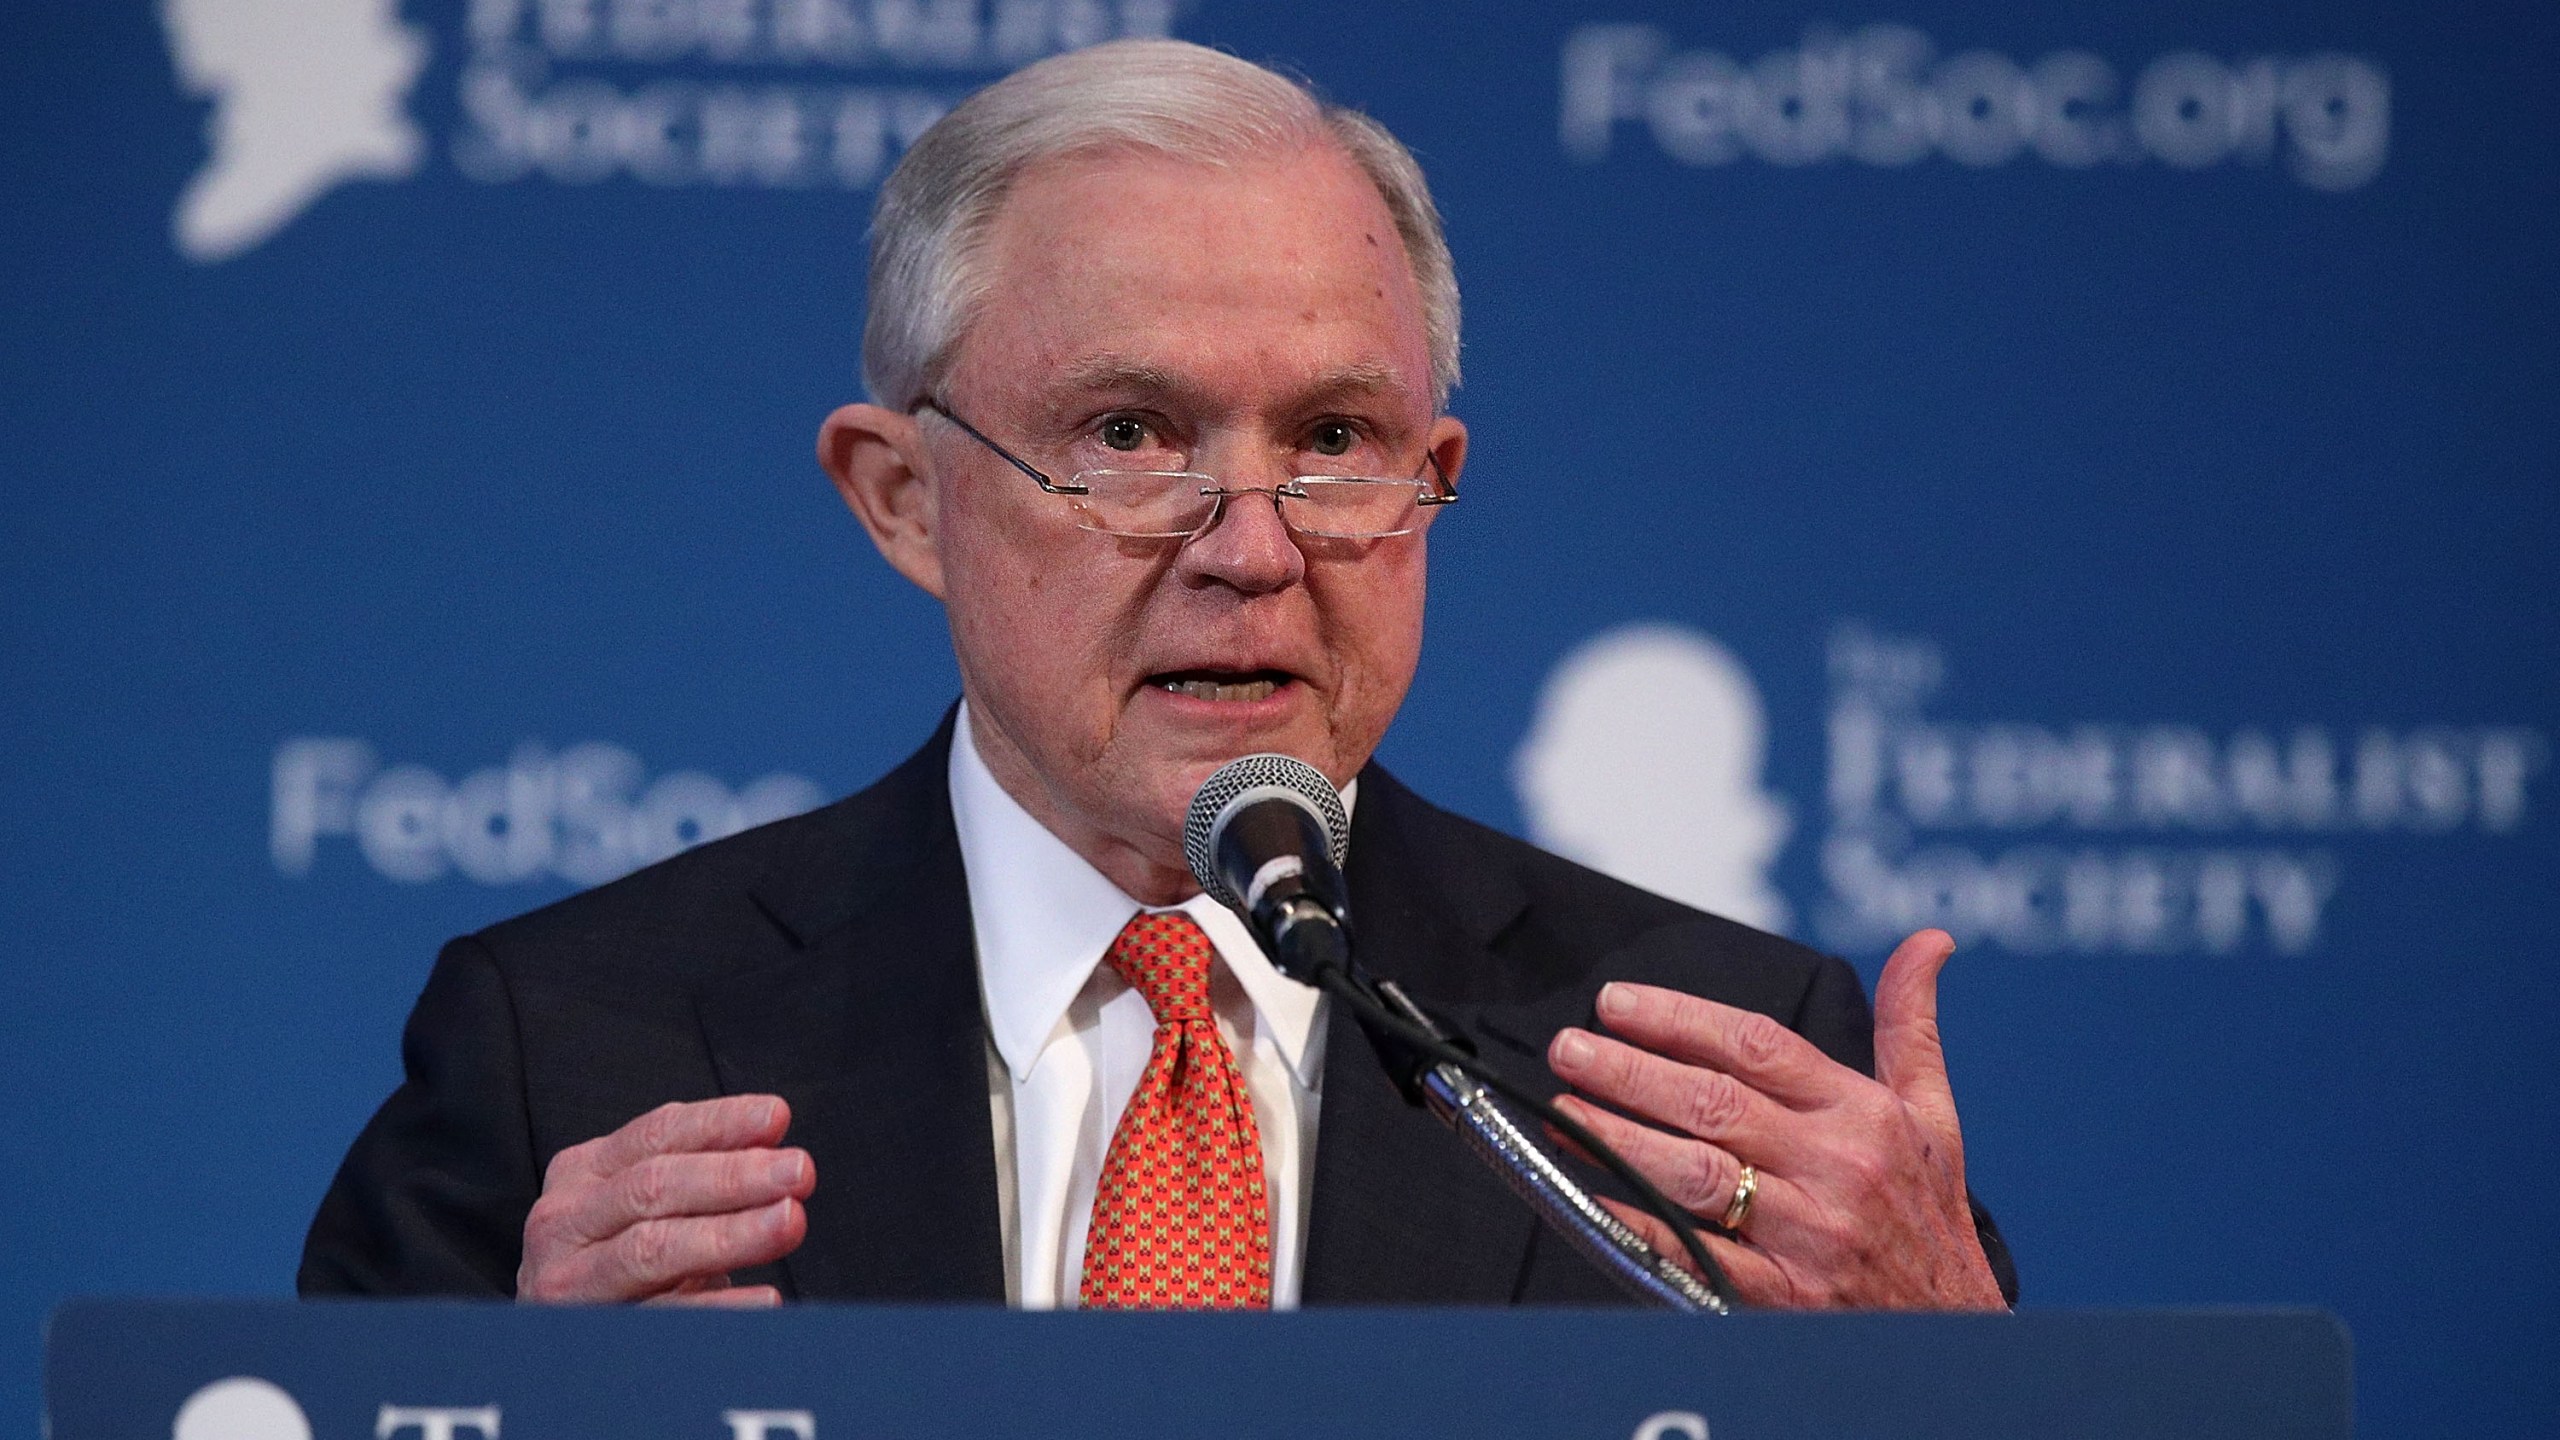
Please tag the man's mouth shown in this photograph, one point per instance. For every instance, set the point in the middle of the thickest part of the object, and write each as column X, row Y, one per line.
column 1231, row 685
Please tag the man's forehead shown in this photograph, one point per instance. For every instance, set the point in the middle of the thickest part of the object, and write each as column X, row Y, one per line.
column 1276, row 280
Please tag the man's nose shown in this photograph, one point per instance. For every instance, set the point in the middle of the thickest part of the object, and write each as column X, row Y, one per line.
column 1248, row 546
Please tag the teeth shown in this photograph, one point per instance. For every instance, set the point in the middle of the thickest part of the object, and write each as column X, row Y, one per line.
column 1212, row 690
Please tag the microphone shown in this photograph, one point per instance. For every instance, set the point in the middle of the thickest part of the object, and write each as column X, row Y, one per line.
column 1265, row 836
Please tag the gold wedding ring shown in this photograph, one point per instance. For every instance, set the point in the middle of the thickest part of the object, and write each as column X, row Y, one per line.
column 1747, row 1186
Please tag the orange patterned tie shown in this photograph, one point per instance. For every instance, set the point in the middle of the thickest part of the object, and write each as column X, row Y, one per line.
column 1179, row 1218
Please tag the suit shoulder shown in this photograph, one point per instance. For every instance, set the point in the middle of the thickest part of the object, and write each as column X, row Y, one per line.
column 746, row 898
column 684, row 914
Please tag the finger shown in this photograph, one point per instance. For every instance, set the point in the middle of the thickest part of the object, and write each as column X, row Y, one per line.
column 1692, row 1174
column 1695, row 1101
column 1757, row 1280
column 1574, row 1147
column 727, row 1297
column 657, row 1255
column 732, row 1122
column 636, row 1139
column 691, row 1184
column 1746, row 1044
column 1911, row 1058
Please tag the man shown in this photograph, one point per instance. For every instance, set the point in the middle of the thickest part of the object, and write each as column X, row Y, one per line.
column 1160, row 347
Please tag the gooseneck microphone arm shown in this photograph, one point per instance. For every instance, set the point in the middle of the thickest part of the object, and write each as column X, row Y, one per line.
column 1439, row 1072
column 1265, row 837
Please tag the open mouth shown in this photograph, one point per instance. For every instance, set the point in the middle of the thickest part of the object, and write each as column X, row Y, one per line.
column 1231, row 685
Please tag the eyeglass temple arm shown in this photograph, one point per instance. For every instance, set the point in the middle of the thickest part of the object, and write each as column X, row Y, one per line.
column 1016, row 461
column 1447, row 494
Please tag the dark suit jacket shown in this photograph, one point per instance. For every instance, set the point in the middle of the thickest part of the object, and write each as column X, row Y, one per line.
column 829, row 959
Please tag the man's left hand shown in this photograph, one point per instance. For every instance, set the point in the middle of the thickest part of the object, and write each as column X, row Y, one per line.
column 1861, row 1195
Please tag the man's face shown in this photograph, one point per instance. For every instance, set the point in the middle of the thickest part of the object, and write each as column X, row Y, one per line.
column 1144, row 313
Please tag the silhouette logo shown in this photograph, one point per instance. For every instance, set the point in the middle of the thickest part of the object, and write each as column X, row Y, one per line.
column 243, row 1407
column 1644, row 762
column 306, row 94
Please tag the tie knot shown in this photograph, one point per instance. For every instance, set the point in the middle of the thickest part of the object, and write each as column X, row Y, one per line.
column 1166, row 958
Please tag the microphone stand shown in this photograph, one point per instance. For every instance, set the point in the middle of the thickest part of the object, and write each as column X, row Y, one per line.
column 1438, row 1071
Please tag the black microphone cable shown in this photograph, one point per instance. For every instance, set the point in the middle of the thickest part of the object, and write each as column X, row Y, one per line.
column 1375, row 1015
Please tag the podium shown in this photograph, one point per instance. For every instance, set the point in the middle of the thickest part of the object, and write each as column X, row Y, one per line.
column 278, row 1370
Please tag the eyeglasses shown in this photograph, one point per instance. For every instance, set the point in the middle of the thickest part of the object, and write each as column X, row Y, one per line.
column 1178, row 504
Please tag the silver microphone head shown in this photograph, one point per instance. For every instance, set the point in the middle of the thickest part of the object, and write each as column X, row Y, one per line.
column 1241, row 782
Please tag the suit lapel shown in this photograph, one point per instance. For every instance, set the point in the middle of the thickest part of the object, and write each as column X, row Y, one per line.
column 873, row 1030
column 874, row 1033
column 1401, row 1211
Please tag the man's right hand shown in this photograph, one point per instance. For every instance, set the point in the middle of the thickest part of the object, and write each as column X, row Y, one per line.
column 665, row 1207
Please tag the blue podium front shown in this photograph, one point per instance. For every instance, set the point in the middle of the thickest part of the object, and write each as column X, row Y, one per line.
column 276, row 1370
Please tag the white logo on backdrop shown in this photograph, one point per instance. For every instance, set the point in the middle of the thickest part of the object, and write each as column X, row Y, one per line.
column 1883, row 96
column 243, row 1407
column 548, row 89
column 1644, row 761
column 585, row 815
column 306, row 94
column 2142, row 839
column 777, row 94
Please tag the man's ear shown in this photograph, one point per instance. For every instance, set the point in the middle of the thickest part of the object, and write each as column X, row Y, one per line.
column 876, row 457
column 1449, row 447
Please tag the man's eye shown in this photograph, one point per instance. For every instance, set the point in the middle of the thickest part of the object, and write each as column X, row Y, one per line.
column 1333, row 437
column 1123, row 432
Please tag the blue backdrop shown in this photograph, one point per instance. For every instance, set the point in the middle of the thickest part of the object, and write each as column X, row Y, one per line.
column 2083, row 476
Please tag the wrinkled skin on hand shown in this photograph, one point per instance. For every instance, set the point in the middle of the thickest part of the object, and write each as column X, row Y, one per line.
column 664, row 1208
column 1861, row 1200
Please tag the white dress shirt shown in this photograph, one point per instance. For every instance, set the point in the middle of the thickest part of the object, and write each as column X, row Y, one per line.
column 1068, row 1038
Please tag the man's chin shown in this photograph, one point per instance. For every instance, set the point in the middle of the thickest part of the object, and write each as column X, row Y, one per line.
column 1185, row 742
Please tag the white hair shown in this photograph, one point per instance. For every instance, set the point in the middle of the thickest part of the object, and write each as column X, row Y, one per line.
column 1165, row 96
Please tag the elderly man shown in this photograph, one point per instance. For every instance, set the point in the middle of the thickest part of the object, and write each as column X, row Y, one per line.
column 1160, row 347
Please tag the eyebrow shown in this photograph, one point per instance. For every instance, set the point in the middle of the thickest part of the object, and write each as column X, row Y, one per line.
column 1119, row 373
column 1114, row 372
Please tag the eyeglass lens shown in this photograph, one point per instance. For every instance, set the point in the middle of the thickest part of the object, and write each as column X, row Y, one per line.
column 1143, row 504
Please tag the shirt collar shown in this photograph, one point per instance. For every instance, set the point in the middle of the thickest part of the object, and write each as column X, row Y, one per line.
column 1044, row 917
